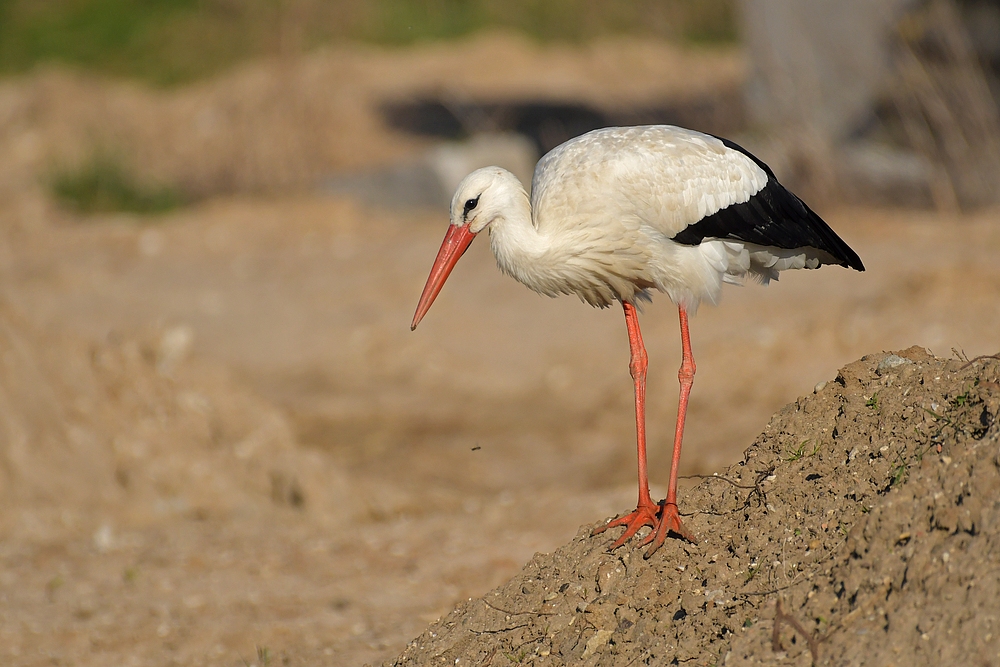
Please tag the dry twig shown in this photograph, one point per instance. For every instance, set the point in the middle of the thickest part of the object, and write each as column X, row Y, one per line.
column 783, row 618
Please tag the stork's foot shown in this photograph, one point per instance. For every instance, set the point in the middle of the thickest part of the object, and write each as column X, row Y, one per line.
column 669, row 522
column 643, row 515
column 662, row 518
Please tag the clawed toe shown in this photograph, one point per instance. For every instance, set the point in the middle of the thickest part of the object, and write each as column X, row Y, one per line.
column 643, row 515
column 669, row 522
column 662, row 518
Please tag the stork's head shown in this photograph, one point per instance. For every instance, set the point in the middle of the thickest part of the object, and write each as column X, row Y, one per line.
column 480, row 199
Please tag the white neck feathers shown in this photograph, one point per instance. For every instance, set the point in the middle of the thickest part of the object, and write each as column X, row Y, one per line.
column 518, row 247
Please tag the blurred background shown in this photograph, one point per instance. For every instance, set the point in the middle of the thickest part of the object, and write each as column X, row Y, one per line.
column 219, row 441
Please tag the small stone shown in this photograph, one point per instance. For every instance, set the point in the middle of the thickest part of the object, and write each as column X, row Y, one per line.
column 692, row 602
column 599, row 639
column 609, row 576
column 889, row 362
column 819, row 387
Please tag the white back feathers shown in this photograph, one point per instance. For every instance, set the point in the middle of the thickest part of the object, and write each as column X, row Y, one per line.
column 665, row 177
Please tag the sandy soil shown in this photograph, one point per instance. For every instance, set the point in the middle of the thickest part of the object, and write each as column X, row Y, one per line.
column 221, row 443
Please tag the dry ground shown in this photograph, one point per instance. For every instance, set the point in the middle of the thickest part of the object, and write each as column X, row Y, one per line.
column 222, row 444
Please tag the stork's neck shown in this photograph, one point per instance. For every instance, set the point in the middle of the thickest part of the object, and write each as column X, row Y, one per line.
column 518, row 247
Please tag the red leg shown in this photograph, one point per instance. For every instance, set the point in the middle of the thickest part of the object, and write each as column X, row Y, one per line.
column 646, row 510
column 670, row 520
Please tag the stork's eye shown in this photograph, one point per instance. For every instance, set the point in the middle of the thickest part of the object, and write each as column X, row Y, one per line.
column 471, row 204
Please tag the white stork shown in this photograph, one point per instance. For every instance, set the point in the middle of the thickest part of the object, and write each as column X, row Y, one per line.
column 620, row 211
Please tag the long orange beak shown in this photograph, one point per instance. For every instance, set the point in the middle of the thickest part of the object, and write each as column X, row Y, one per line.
column 455, row 243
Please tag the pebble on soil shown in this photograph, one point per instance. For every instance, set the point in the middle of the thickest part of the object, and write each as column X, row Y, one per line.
column 861, row 527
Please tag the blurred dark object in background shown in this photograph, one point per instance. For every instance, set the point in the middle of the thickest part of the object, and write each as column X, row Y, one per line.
column 512, row 133
column 888, row 101
column 548, row 123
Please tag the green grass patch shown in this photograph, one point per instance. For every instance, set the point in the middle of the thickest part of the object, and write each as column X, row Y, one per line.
column 898, row 475
column 801, row 451
column 124, row 37
column 960, row 400
column 171, row 41
column 104, row 185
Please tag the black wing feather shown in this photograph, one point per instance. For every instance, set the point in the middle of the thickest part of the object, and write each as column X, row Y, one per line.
column 772, row 217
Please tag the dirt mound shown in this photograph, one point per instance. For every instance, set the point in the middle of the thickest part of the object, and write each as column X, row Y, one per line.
column 859, row 527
